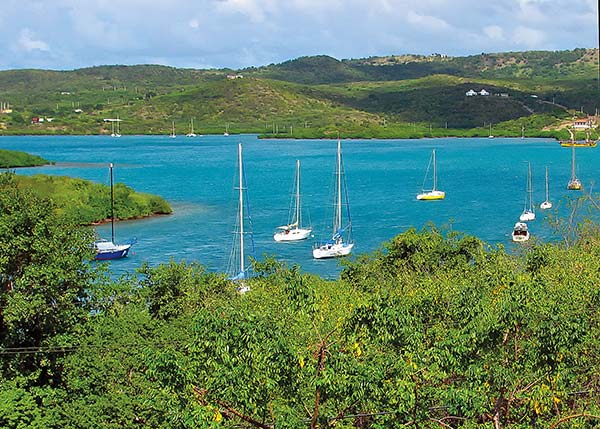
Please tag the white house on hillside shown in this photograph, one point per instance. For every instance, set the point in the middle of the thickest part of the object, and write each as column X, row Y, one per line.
column 484, row 92
column 470, row 93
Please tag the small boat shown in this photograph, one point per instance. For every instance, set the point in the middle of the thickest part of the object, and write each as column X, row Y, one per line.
column 434, row 193
column 341, row 242
column 294, row 231
column 191, row 133
column 574, row 183
column 546, row 204
column 490, row 136
column 529, row 210
column 173, row 135
column 226, row 133
column 107, row 250
column 238, row 269
column 520, row 232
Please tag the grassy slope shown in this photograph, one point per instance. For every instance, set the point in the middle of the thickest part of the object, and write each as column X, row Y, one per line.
column 85, row 202
column 12, row 159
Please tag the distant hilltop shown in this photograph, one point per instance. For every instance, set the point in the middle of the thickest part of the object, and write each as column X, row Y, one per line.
column 313, row 96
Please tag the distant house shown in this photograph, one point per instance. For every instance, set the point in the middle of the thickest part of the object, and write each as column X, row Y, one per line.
column 504, row 94
column 35, row 120
column 77, row 110
column 470, row 93
column 484, row 92
column 582, row 124
column 234, row 76
column 533, row 96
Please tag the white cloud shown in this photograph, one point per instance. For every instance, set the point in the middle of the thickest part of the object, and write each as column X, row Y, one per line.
column 28, row 42
column 194, row 23
column 427, row 22
column 494, row 32
column 530, row 38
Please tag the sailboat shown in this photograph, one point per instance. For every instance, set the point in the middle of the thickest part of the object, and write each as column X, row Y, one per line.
column 529, row 209
column 294, row 231
column 226, row 133
column 520, row 232
column 191, row 133
column 338, row 245
column 173, row 135
column 434, row 193
column 106, row 250
column 574, row 184
column 491, row 136
column 546, row 204
column 238, row 268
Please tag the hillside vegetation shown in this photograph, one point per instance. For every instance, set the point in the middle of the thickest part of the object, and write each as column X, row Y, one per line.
column 83, row 202
column 395, row 96
column 14, row 158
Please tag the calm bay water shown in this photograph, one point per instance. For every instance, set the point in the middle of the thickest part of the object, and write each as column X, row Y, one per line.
column 484, row 180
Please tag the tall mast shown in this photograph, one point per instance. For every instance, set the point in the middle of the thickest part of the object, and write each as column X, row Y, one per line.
column 572, row 162
column 338, row 215
column 241, row 202
column 297, row 193
column 434, row 172
column 112, row 205
column 546, row 183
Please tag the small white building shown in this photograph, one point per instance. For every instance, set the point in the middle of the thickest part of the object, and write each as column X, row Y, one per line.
column 484, row 92
column 470, row 93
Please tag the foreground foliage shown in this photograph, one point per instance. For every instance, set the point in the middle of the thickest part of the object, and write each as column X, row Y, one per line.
column 434, row 330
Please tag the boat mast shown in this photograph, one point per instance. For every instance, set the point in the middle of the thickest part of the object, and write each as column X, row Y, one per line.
column 434, row 172
column 546, row 183
column 297, row 221
column 241, row 202
column 529, row 186
column 112, row 205
column 338, row 215
column 573, row 163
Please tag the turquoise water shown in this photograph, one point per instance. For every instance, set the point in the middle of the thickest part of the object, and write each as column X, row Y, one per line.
column 484, row 180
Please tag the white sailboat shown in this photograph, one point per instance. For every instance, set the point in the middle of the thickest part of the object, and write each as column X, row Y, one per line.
column 547, row 204
column 341, row 242
column 226, row 133
column 191, row 133
column 294, row 231
column 434, row 193
column 491, row 136
column 520, row 232
column 574, row 184
column 173, row 135
column 238, row 269
column 529, row 209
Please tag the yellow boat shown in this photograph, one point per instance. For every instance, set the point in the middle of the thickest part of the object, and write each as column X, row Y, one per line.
column 433, row 194
column 578, row 143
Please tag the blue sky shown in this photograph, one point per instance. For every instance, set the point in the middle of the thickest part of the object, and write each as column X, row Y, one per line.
column 68, row 34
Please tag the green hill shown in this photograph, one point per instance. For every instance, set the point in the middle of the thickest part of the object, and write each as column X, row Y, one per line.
column 308, row 96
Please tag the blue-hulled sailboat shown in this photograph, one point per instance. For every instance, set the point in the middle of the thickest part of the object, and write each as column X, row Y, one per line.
column 107, row 250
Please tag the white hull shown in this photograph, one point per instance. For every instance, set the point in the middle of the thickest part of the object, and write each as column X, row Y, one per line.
column 332, row 250
column 520, row 232
column 527, row 216
column 292, row 234
column 546, row 205
column 432, row 195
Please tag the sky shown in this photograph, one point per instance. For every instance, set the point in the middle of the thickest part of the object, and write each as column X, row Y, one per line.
column 71, row 34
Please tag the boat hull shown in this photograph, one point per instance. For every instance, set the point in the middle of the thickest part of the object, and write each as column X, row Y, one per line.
column 292, row 235
column 431, row 196
column 546, row 205
column 106, row 251
column 520, row 232
column 527, row 216
column 334, row 250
